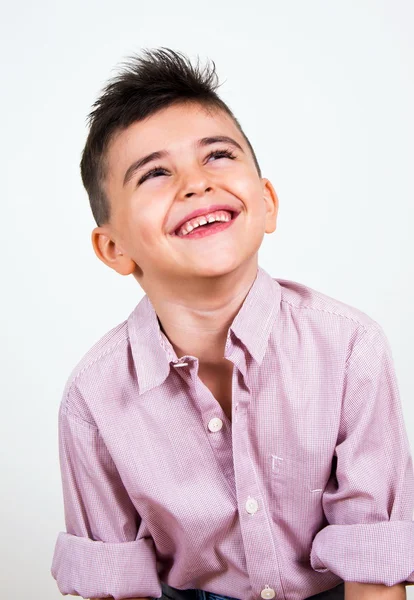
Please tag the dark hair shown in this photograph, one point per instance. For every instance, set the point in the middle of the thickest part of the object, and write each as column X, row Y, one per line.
column 157, row 79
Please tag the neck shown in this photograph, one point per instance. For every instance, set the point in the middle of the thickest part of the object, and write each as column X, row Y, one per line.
column 197, row 324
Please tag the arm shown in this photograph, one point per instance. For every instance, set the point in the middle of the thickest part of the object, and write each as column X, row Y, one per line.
column 371, row 591
column 369, row 504
column 101, row 553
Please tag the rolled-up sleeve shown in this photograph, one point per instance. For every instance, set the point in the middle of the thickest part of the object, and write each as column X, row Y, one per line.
column 99, row 554
column 369, row 504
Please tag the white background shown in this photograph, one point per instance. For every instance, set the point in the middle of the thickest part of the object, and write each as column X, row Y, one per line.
column 325, row 92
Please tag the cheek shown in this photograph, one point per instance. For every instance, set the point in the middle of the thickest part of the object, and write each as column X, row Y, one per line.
column 145, row 231
column 252, row 196
column 246, row 190
column 246, row 187
column 145, row 217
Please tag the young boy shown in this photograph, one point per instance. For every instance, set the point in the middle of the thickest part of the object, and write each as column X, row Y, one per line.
column 237, row 436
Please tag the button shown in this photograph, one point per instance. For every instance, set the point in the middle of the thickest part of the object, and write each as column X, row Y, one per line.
column 215, row 424
column 180, row 364
column 251, row 505
column 268, row 592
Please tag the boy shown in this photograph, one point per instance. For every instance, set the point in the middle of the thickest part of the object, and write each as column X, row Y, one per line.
column 238, row 435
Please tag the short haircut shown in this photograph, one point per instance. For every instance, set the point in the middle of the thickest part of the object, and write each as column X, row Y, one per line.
column 149, row 82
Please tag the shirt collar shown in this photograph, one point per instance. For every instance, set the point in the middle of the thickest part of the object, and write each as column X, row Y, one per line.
column 153, row 353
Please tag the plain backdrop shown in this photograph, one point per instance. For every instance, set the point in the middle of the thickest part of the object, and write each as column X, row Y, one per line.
column 325, row 92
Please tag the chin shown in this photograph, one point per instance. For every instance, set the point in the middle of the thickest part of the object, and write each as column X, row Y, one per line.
column 220, row 267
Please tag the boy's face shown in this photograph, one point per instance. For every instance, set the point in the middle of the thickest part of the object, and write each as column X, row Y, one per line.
column 140, row 237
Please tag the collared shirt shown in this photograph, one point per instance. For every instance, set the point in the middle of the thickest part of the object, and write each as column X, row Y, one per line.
column 309, row 484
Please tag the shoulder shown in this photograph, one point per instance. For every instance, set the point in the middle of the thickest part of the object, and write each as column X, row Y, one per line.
column 96, row 369
column 298, row 297
column 325, row 325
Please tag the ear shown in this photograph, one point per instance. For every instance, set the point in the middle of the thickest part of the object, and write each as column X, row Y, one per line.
column 107, row 250
column 272, row 205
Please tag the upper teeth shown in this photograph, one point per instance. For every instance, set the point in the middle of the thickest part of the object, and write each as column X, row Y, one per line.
column 219, row 215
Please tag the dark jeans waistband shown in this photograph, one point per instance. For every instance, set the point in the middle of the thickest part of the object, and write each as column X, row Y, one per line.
column 170, row 593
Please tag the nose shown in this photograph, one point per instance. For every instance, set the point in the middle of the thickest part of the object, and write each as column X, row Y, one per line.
column 198, row 190
column 195, row 181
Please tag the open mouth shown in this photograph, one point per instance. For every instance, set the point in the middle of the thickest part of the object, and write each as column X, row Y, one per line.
column 208, row 228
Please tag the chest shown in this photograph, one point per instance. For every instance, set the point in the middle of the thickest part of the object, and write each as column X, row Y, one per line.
column 218, row 380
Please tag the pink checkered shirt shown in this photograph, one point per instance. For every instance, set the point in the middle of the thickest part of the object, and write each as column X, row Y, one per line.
column 311, row 482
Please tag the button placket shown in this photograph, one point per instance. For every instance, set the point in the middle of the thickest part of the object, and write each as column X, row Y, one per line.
column 255, row 525
column 268, row 592
column 252, row 505
column 215, row 424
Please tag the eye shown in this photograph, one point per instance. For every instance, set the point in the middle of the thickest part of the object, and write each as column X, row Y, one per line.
column 227, row 153
column 153, row 171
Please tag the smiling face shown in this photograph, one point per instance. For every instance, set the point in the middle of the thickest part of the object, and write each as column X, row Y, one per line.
column 195, row 171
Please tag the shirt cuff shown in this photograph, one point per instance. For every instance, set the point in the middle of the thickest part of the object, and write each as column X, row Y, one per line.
column 381, row 552
column 92, row 568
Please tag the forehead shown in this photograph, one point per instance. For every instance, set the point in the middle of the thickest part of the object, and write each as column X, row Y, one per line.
column 174, row 128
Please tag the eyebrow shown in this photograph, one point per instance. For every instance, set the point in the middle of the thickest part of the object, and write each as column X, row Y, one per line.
column 157, row 155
